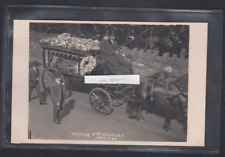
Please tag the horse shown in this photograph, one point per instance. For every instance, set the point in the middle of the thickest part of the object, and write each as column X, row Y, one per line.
column 159, row 95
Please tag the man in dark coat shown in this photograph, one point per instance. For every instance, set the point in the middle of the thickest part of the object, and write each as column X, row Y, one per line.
column 34, row 81
column 113, row 60
column 57, row 93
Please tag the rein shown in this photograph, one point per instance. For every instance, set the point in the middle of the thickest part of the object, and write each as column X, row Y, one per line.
column 162, row 98
column 177, row 84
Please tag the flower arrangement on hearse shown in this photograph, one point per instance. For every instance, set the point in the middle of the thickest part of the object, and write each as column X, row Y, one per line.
column 72, row 55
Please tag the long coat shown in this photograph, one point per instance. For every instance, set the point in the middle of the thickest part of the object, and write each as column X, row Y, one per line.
column 57, row 93
column 114, row 61
column 34, row 83
column 33, row 76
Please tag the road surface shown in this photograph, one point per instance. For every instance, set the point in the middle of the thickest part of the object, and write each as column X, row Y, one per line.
column 80, row 122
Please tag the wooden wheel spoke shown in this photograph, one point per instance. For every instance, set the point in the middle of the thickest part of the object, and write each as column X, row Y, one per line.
column 101, row 100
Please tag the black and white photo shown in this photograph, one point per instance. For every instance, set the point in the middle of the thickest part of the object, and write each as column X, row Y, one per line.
column 113, row 82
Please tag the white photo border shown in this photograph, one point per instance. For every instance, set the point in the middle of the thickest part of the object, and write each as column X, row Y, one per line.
column 196, row 85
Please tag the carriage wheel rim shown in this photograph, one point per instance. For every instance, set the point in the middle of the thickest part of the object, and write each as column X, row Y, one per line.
column 104, row 102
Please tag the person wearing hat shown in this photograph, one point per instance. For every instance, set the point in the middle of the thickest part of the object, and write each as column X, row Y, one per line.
column 34, row 81
column 57, row 92
column 114, row 61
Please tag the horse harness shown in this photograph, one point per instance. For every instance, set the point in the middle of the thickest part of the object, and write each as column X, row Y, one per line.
column 166, row 85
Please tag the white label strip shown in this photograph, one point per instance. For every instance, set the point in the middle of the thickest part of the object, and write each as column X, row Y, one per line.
column 112, row 79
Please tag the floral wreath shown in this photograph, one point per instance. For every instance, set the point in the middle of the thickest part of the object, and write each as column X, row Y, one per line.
column 87, row 64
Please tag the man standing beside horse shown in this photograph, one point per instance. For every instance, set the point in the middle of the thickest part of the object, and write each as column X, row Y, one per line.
column 34, row 82
column 57, row 93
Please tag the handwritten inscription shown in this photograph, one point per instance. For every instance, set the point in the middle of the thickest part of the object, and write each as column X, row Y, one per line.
column 100, row 136
column 112, row 79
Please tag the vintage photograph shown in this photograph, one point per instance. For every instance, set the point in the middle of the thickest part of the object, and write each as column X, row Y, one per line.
column 62, row 106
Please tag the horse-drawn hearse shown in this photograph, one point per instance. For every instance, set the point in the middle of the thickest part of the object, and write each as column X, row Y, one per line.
column 73, row 62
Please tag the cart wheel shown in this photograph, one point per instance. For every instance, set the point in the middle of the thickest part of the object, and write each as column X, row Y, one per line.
column 48, row 76
column 101, row 101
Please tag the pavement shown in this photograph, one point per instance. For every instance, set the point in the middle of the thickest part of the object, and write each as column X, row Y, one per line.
column 81, row 122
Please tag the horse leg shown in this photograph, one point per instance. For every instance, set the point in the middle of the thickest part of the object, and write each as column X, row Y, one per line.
column 131, row 108
column 168, row 118
column 166, row 125
column 151, row 104
column 184, row 118
column 185, row 127
column 139, row 113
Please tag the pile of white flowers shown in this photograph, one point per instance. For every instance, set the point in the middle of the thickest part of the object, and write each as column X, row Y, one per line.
column 65, row 40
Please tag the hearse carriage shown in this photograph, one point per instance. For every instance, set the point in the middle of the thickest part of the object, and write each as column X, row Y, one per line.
column 73, row 62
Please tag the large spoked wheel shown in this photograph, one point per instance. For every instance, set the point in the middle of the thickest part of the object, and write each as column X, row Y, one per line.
column 48, row 75
column 101, row 101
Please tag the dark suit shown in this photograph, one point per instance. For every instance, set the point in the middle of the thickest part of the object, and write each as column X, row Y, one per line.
column 113, row 61
column 34, row 82
column 57, row 93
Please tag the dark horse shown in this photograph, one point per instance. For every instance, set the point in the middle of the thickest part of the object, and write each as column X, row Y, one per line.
column 159, row 95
